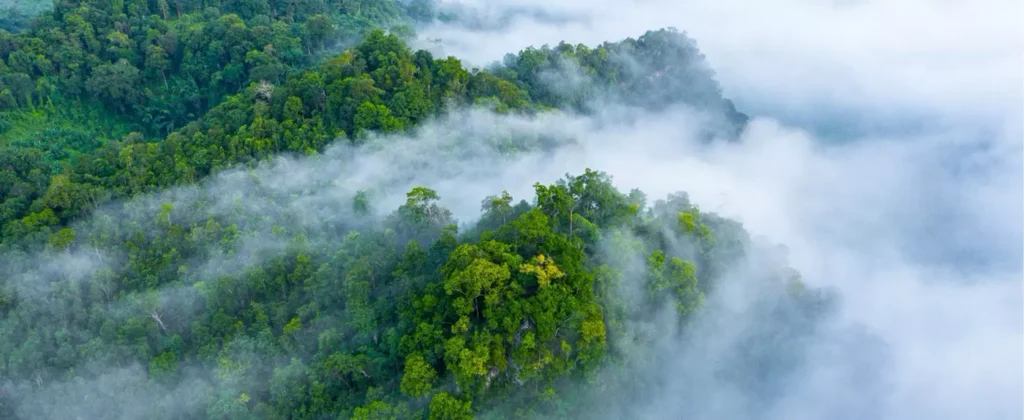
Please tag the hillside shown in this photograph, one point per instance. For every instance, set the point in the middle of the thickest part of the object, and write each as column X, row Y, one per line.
column 103, row 69
column 171, row 248
column 380, row 85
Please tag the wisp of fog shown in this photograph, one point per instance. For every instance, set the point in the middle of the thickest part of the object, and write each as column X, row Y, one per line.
column 887, row 159
column 884, row 153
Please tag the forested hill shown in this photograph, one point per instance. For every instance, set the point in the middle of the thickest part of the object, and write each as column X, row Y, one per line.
column 379, row 85
column 164, row 63
column 155, row 263
column 231, row 301
column 657, row 70
column 94, row 72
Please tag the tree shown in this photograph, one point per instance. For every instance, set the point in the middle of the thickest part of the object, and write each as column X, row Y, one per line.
column 21, row 86
column 498, row 207
column 544, row 268
column 361, row 203
column 375, row 117
column 157, row 63
column 679, row 280
column 116, row 84
column 65, row 196
column 318, row 29
column 418, row 377
column 62, row 239
column 471, row 274
column 164, row 215
column 420, row 216
column 288, row 386
column 164, row 367
column 446, row 407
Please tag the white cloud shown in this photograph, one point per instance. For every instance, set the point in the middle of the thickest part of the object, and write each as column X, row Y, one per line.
column 960, row 59
column 919, row 229
column 917, row 218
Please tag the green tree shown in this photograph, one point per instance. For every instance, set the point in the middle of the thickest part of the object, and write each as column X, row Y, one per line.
column 418, row 377
column 164, row 367
column 446, row 407
column 318, row 29
column 117, row 84
column 371, row 117
column 62, row 239
column 157, row 62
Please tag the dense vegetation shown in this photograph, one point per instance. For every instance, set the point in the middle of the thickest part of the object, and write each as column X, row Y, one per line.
column 379, row 85
column 154, row 66
column 135, row 280
column 353, row 317
column 657, row 70
column 166, row 59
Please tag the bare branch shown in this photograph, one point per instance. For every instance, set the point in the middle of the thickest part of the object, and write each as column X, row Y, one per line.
column 156, row 317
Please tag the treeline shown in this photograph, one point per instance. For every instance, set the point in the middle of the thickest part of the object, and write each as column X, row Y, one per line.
column 102, row 69
column 657, row 70
column 408, row 319
column 379, row 85
column 205, row 308
column 161, row 61
column 89, row 72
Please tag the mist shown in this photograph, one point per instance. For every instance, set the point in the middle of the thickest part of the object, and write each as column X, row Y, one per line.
column 847, row 226
column 800, row 61
column 885, row 157
column 885, row 154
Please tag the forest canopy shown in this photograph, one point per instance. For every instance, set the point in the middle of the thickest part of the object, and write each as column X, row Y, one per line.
column 152, row 265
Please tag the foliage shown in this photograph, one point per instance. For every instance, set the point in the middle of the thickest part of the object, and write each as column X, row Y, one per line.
column 405, row 317
column 380, row 85
column 375, row 325
column 660, row 69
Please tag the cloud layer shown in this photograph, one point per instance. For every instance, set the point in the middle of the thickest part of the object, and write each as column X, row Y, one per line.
column 886, row 156
column 924, row 259
column 915, row 218
column 799, row 60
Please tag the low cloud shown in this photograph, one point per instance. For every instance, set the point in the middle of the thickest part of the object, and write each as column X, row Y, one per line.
column 885, row 154
column 924, row 260
column 906, row 64
column 915, row 219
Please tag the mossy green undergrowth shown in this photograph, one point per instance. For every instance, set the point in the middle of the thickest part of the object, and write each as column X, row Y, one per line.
column 62, row 130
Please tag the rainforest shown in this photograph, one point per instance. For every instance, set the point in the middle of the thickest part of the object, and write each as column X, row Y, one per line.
column 310, row 209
